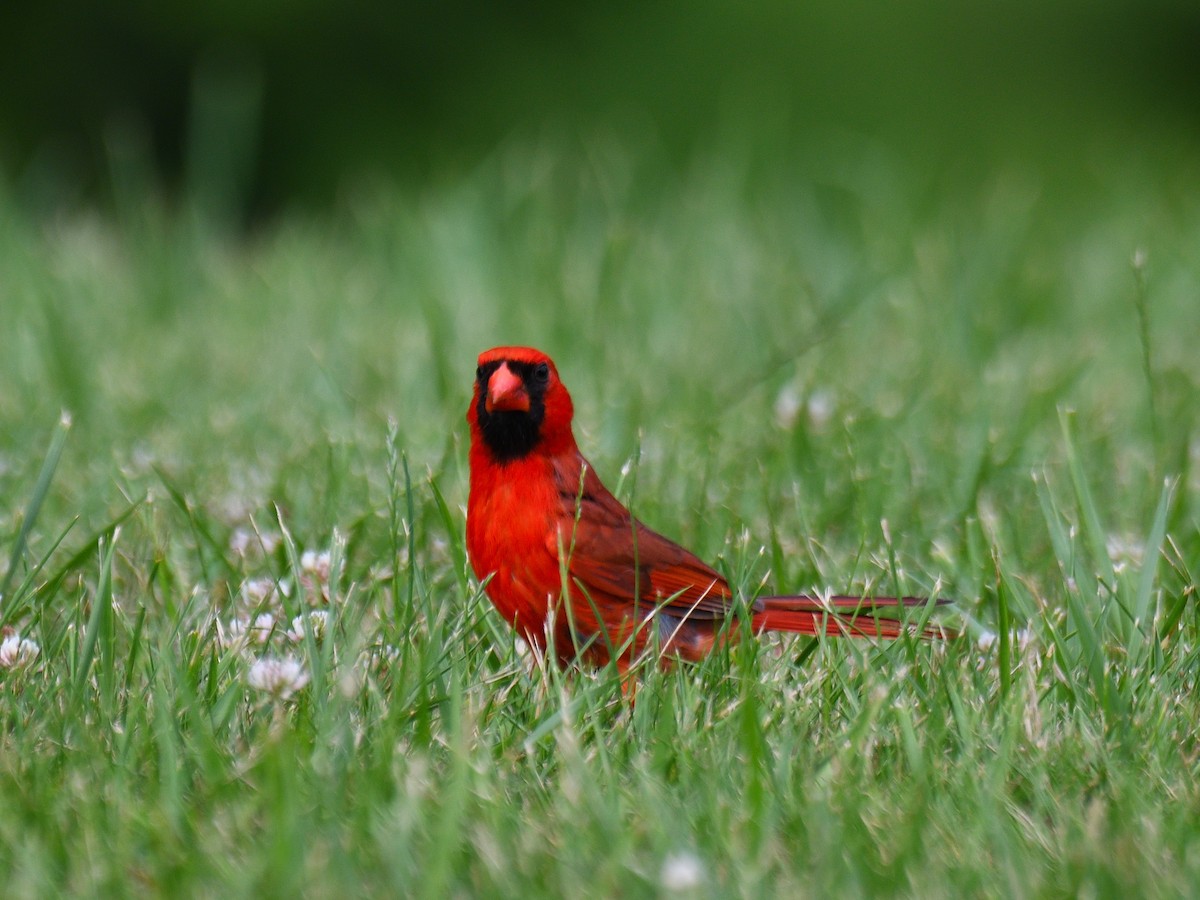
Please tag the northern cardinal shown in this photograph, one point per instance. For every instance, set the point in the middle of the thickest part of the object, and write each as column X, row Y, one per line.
column 568, row 566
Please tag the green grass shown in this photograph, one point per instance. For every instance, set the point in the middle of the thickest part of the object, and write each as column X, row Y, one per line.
column 856, row 375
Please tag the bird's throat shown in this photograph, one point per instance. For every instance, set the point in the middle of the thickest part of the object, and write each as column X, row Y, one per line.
column 510, row 435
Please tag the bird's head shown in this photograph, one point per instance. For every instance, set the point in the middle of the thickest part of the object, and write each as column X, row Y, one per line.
column 520, row 406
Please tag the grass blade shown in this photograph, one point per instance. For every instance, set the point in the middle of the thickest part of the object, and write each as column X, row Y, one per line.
column 1143, row 618
column 99, row 628
column 40, row 489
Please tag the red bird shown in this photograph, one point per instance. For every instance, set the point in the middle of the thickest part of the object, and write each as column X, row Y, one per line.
column 542, row 529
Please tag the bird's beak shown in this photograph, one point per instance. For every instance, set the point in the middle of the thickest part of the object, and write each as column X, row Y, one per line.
column 506, row 392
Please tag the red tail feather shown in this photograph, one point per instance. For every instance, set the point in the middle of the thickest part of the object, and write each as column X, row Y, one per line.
column 843, row 616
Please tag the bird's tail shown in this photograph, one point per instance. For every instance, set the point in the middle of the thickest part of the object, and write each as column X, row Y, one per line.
column 845, row 616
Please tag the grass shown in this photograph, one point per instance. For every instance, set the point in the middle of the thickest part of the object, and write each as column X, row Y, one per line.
column 857, row 375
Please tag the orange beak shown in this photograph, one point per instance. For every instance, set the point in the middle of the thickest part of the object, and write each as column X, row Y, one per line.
column 506, row 392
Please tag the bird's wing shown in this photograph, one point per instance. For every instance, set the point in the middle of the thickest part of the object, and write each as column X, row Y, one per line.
column 615, row 557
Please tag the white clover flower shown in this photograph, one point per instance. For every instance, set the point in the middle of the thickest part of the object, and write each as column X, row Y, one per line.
column 241, row 540
column 787, row 406
column 316, row 565
column 245, row 541
column 257, row 591
column 318, row 619
column 278, row 677
column 260, row 631
column 232, row 637
column 17, row 652
column 820, row 408
column 243, row 631
column 314, row 575
column 681, row 872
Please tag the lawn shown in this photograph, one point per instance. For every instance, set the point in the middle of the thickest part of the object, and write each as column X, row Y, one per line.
column 244, row 654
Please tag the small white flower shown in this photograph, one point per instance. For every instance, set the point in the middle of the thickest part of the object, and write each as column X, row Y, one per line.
column 278, row 677
column 243, row 631
column 17, row 652
column 244, row 541
column 316, row 565
column 241, row 540
column 681, row 872
column 260, row 631
column 987, row 640
column 257, row 591
column 820, row 408
column 318, row 619
column 232, row 637
column 787, row 406
column 314, row 575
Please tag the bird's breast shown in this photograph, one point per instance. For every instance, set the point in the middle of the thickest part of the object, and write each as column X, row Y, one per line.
column 510, row 512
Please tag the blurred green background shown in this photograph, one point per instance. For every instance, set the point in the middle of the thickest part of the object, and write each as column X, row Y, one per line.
column 238, row 220
column 247, row 108
column 903, row 294
column 216, row 214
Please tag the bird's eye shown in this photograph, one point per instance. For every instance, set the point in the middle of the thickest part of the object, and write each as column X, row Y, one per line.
column 541, row 373
column 479, row 373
